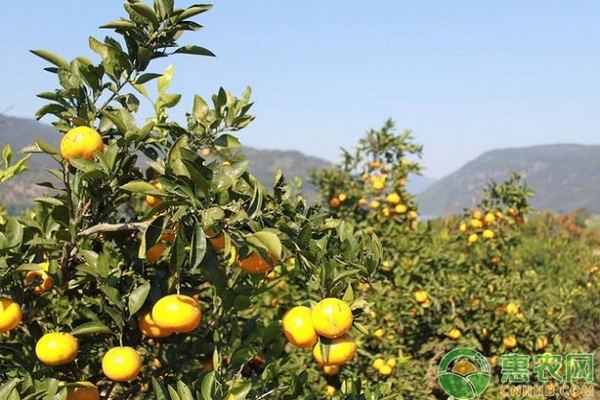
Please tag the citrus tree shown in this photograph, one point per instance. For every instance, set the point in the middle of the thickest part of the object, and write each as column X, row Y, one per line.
column 142, row 273
column 473, row 280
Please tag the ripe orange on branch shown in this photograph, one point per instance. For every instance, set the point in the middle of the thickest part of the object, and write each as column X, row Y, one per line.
column 255, row 263
column 81, row 141
column 10, row 315
column 121, row 364
column 177, row 312
column 298, row 328
column 332, row 317
column 151, row 200
column 341, row 350
column 57, row 348
column 83, row 391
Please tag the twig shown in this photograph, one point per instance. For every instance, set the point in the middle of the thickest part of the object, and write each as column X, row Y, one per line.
column 105, row 227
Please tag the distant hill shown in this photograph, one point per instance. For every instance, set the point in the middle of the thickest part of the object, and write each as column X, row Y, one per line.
column 564, row 177
column 17, row 194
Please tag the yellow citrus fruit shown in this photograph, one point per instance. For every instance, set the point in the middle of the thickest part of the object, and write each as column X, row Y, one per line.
column 81, row 142
column 177, row 312
column 378, row 184
column 454, row 333
column 83, row 391
column 332, row 317
column 509, row 342
column 255, row 264
column 512, row 308
column 400, row 209
column 362, row 202
column 477, row 215
column 462, row 227
column 374, row 204
column 149, row 328
column 488, row 234
column 205, row 152
column 378, row 363
column 375, row 164
column 151, row 200
column 393, row 198
column 331, row 369
column 155, row 252
column 40, row 276
column 392, row 362
column 489, row 218
column 421, row 296
column 413, row 215
column 341, row 350
column 386, row 370
column 56, row 348
column 476, row 224
column 342, row 197
column 378, row 333
column 121, row 364
column 330, row 391
column 541, row 343
column 473, row 238
column 10, row 315
column 298, row 328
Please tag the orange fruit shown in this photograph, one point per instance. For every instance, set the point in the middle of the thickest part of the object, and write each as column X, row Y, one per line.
column 421, row 296
column 489, row 218
column 330, row 391
column 378, row 184
column 334, row 202
column 217, row 241
column 362, row 202
column 10, row 315
column 155, row 252
column 512, row 308
column 83, row 391
column 151, row 200
column 400, row 209
column 509, row 342
column 476, row 223
column 454, row 333
column 121, row 364
column 378, row 363
column 168, row 236
column 374, row 204
column 392, row 362
column 149, row 328
column 393, row 198
column 177, row 312
column 341, row 350
column 331, row 369
column 375, row 164
column 488, row 234
column 298, row 328
column 541, row 343
column 255, row 264
column 56, row 348
column 332, row 317
column 473, row 238
column 81, row 141
column 386, row 370
column 39, row 275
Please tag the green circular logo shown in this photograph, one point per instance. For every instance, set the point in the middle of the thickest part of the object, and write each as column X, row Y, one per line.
column 464, row 373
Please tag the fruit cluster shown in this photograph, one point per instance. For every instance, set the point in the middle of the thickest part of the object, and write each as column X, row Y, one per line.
column 324, row 328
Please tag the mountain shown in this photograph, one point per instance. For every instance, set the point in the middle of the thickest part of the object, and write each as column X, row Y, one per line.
column 564, row 177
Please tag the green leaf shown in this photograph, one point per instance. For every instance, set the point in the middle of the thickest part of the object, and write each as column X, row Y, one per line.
column 119, row 24
column 165, row 79
column 195, row 50
column 208, row 384
column 193, row 10
column 146, row 11
column 167, row 101
column 45, row 147
column 173, row 393
column 200, row 110
column 13, row 233
column 7, row 389
column 138, row 297
column 138, row 187
column 267, row 240
column 146, row 78
column 198, row 248
column 184, row 392
column 52, row 58
column 84, row 164
column 163, row 8
column 160, row 392
column 227, row 141
column 90, row 328
column 348, row 295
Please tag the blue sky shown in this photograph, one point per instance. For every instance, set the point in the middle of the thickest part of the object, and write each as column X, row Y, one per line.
column 464, row 76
